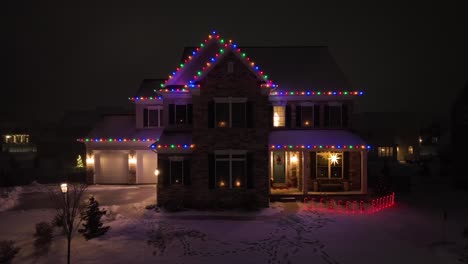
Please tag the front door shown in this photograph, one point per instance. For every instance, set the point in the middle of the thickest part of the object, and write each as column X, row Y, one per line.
column 279, row 168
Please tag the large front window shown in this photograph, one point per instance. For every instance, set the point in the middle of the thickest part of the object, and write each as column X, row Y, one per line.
column 176, row 171
column 231, row 112
column 330, row 165
column 307, row 116
column 230, row 169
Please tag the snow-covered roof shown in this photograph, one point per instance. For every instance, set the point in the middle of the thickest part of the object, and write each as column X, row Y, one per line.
column 122, row 126
column 314, row 138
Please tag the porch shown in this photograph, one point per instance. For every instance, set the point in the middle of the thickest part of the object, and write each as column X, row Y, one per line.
column 310, row 169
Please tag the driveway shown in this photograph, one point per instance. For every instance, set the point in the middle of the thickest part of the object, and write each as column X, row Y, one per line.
column 106, row 195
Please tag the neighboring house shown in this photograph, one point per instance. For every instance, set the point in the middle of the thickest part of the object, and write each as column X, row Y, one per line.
column 401, row 136
column 219, row 129
column 18, row 150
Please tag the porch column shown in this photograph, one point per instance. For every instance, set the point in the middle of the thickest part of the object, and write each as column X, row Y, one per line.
column 304, row 178
column 364, row 171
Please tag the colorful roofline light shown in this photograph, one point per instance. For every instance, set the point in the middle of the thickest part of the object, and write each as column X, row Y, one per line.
column 225, row 45
column 173, row 90
column 173, row 146
column 318, row 93
column 145, row 98
column 117, row 139
column 320, row 147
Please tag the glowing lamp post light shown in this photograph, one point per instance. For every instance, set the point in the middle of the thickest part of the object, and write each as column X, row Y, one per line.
column 64, row 187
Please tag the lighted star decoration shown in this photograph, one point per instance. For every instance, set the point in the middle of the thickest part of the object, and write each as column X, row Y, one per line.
column 334, row 158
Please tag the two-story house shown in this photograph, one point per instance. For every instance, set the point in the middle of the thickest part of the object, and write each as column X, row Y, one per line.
column 218, row 129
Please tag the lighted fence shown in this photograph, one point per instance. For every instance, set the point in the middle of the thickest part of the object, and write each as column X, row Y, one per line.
column 353, row 206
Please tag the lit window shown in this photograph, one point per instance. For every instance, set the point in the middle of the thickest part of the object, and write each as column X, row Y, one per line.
column 279, row 116
column 329, row 165
column 231, row 112
column 230, row 170
column 385, row 151
column 16, row 139
column 410, row 150
column 307, row 116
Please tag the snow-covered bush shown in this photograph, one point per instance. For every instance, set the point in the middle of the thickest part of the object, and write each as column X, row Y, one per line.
column 8, row 251
column 43, row 237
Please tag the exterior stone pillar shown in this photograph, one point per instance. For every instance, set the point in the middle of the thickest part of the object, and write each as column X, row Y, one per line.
column 90, row 168
column 364, row 171
column 304, row 178
column 132, row 164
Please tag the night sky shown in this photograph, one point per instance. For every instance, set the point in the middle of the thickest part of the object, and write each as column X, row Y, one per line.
column 62, row 56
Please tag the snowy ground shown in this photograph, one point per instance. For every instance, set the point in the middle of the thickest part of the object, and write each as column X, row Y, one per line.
column 410, row 232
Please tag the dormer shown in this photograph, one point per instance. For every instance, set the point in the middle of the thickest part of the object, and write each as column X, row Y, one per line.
column 149, row 106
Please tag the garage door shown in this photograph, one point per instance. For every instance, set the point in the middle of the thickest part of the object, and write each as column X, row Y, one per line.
column 149, row 163
column 113, row 168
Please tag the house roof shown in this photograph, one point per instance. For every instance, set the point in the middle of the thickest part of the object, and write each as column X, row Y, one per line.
column 314, row 138
column 297, row 68
column 122, row 127
column 148, row 86
column 198, row 61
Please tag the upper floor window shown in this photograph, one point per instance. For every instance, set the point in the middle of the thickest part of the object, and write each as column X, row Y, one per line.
column 16, row 139
column 307, row 115
column 180, row 114
column 385, row 151
column 153, row 116
column 230, row 112
column 279, row 114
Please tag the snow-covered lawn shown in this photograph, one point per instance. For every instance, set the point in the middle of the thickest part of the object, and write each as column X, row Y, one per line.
column 410, row 232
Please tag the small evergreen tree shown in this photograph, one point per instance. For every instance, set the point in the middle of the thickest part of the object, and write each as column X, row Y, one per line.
column 92, row 220
column 79, row 162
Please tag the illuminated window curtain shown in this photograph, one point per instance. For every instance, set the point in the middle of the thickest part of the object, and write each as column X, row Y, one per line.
column 279, row 116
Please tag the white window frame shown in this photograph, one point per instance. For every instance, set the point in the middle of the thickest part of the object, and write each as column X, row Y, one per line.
column 229, row 101
column 231, row 159
column 153, row 107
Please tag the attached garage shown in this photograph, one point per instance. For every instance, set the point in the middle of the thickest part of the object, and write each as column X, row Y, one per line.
column 111, row 167
column 147, row 162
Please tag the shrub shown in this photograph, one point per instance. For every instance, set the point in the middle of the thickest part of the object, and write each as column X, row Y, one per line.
column 43, row 237
column 173, row 205
column 8, row 251
column 250, row 201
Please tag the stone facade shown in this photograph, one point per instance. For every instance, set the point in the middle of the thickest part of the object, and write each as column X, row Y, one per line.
column 220, row 83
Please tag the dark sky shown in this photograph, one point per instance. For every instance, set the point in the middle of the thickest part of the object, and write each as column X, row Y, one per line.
column 64, row 56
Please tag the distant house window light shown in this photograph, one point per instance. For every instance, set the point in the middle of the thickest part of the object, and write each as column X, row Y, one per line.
column 385, row 151
column 410, row 150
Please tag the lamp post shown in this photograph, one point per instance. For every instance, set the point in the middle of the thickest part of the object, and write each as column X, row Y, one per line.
column 156, row 173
